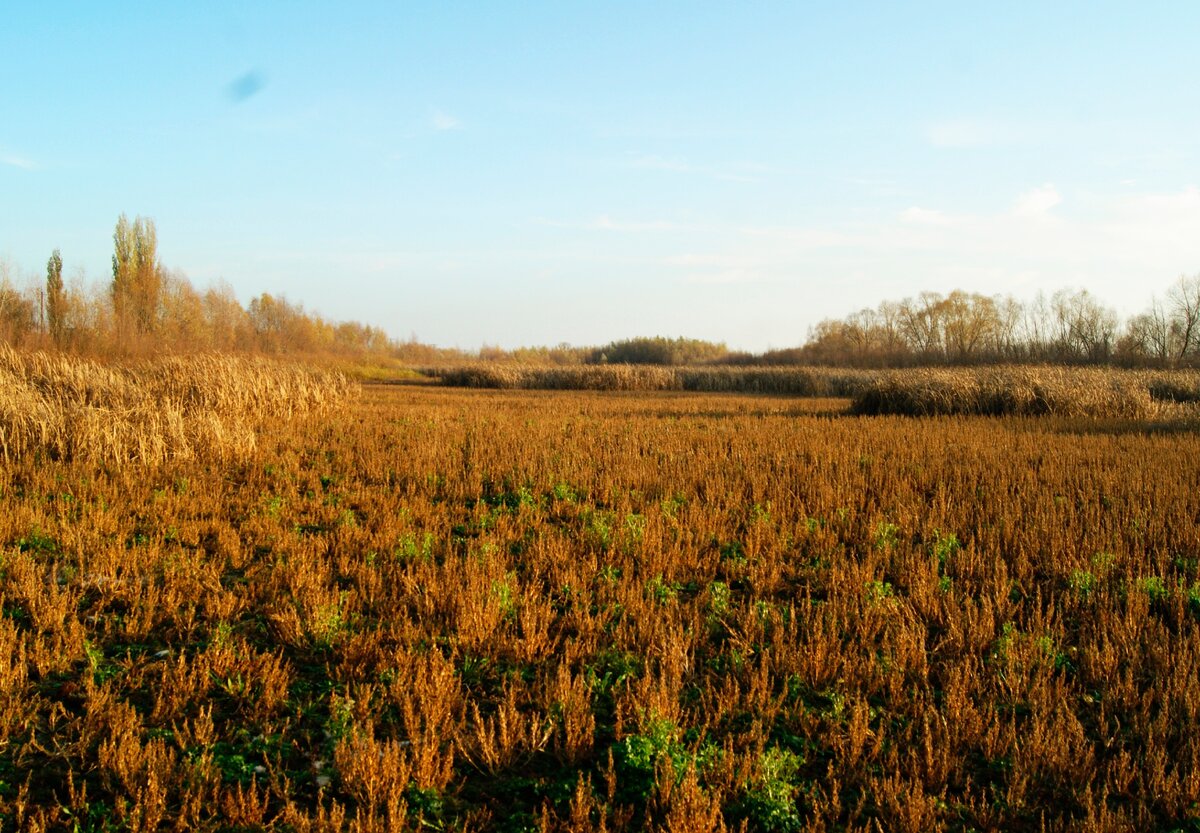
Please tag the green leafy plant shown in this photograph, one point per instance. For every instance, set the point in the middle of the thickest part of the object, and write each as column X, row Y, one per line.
column 670, row 506
column 638, row 756
column 770, row 802
column 598, row 525
column 760, row 513
column 564, row 492
column 1154, row 588
column 1083, row 582
column 38, row 542
column 410, row 548
column 887, row 535
column 878, row 591
column 718, row 598
column 635, row 528
column 611, row 669
column 734, row 553
column 943, row 545
column 504, row 596
column 662, row 591
column 328, row 623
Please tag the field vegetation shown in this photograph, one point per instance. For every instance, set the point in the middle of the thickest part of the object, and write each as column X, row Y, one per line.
column 425, row 608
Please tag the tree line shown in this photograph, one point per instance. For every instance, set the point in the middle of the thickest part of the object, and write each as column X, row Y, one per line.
column 1070, row 326
column 149, row 308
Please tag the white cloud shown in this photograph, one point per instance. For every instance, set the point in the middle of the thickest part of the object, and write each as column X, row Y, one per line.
column 958, row 134
column 1185, row 203
column 724, row 276
column 926, row 217
column 659, row 163
column 695, row 260
column 973, row 133
column 736, row 172
column 442, row 120
column 1159, row 226
column 1037, row 202
column 16, row 161
column 1121, row 246
column 605, row 222
column 714, row 267
column 802, row 238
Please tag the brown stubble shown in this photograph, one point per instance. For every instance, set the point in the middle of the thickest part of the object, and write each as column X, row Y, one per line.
column 418, row 608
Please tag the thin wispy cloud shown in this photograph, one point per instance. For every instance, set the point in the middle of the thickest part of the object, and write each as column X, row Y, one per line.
column 441, row 120
column 1037, row 202
column 877, row 186
column 973, row 133
column 1183, row 204
column 605, row 222
column 925, row 217
column 661, row 163
column 14, row 160
column 1041, row 238
column 724, row 276
column 737, row 172
column 801, row 238
column 693, row 260
column 1156, row 225
column 715, row 269
column 732, row 266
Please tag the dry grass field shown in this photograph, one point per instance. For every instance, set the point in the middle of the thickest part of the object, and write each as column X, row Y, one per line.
column 433, row 609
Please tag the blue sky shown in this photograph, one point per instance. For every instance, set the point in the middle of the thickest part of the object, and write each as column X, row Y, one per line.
column 535, row 173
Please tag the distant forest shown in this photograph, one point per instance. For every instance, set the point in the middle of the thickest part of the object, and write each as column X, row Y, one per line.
column 147, row 308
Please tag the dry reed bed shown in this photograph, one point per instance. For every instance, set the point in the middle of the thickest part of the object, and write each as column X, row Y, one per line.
column 818, row 382
column 543, row 611
column 65, row 407
column 1026, row 391
column 1017, row 390
column 1173, row 385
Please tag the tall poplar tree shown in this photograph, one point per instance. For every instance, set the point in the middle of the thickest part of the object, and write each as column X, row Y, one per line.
column 56, row 298
column 137, row 276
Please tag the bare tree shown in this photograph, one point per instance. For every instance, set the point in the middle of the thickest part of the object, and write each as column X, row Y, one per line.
column 920, row 323
column 970, row 325
column 1183, row 300
column 1008, row 322
column 1149, row 333
column 1085, row 328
